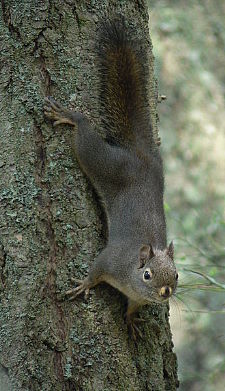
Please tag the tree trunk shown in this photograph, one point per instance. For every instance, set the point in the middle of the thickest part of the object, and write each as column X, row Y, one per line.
column 51, row 224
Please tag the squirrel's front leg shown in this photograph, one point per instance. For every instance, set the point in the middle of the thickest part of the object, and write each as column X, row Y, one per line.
column 83, row 286
column 97, row 274
column 132, row 319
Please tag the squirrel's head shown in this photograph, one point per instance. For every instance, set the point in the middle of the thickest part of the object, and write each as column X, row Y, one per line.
column 156, row 276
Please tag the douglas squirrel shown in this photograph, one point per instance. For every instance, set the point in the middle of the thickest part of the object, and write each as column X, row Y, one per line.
column 128, row 177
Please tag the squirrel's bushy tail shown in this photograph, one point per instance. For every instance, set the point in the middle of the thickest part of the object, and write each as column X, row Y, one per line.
column 124, row 82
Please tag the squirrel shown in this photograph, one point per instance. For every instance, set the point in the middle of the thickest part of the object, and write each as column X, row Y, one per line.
column 128, row 177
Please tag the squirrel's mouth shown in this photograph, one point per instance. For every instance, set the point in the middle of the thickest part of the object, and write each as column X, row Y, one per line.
column 165, row 292
column 159, row 299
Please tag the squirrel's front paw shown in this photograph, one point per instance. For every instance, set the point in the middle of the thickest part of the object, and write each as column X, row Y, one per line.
column 133, row 328
column 83, row 286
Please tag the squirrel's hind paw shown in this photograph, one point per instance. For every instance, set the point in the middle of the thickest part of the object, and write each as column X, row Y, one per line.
column 56, row 112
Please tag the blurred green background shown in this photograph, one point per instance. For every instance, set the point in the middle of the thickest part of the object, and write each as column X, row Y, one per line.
column 189, row 47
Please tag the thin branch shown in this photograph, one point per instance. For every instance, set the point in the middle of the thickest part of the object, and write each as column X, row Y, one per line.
column 206, row 311
column 188, row 241
column 208, row 278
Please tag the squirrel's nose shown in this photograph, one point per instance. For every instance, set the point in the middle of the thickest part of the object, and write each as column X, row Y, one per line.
column 165, row 291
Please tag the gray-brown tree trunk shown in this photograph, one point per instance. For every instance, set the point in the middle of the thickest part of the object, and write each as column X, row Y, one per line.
column 50, row 222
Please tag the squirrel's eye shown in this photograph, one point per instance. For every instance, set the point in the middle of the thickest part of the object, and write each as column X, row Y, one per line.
column 147, row 275
column 176, row 276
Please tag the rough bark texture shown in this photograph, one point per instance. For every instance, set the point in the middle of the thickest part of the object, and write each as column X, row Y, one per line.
column 50, row 226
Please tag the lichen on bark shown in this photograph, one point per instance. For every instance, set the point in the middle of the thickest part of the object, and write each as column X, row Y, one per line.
column 51, row 223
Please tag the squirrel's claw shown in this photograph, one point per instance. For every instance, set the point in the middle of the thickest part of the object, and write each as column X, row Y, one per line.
column 158, row 141
column 76, row 280
column 134, row 330
column 52, row 102
column 139, row 320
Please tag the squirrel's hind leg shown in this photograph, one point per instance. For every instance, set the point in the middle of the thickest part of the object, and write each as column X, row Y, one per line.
column 100, row 161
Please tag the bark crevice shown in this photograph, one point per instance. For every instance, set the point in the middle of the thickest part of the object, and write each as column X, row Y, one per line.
column 3, row 257
column 57, row 338
column 14, row 31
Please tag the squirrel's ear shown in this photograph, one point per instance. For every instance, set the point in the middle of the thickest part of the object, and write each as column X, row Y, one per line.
column 146, row 252
column 170, row 250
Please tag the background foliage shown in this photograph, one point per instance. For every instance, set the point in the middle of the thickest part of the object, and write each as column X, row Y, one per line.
column 189, row 42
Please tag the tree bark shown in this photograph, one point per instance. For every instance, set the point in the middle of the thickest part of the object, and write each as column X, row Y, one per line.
column 51, row 223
